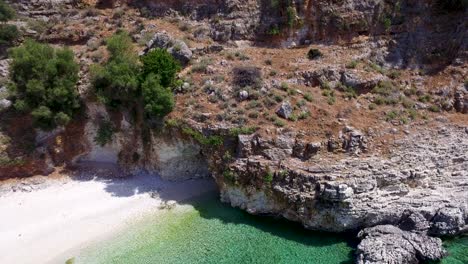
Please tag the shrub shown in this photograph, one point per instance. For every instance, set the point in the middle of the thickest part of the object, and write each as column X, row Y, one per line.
column 229, row 176
column 8, row 34
column 123, row 80
column 304, row 115
column 247, row 76
column 202, row 65
column 117, row 80
column 314, row 54
column 273, row 30
column 158, row 100
column 268, row 178
column 6, row 12
column 391, row 115
column 44, row 82
column 279, row 123
column 160, row 62
column 434, row 108
column 308, row 97
column 353, row 64
column 424, row 98
column 105, row 133
column 349, row 92
column 202, row 139
column 242, row 131
column 292, row 14
column 387, row 23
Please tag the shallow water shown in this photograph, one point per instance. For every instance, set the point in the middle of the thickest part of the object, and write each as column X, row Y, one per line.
column 206, row 231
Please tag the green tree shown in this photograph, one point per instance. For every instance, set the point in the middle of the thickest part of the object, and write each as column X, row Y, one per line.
column 6, row 11
column 143, row 83
column 8, row 34
column 160, row 62
column 44, row 83
column 117, row 80
column 158, row 100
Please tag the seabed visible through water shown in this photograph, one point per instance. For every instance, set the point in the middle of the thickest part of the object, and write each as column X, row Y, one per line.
column 206, row 231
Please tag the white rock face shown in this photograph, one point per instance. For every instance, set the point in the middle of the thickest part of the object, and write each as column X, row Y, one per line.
column 177, row 159
column 99, row 154
column 425, row 178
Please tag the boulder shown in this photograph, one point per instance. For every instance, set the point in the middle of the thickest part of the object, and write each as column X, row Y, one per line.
column 360, row 80
column 243, row 95
column 177, row 48
column 4, row 104
column 285, row 110
column 461, row 101
column 353, row 140
column 389, row 244
column 414, row 221
column 326, row 76
column 447, row 221
column 306, row 151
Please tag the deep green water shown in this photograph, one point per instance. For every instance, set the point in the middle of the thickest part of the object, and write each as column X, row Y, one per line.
column 206, row 231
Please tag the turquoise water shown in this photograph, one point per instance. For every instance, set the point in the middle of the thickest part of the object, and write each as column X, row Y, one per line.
column 458, row 250
column 206, row 231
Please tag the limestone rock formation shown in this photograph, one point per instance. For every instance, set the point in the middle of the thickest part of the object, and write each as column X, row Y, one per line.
column 176, row 47
column 421, row 186
column 389, row 244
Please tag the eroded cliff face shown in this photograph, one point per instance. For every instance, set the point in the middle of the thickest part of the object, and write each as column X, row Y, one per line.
column 413, row 31
column 167, row 152
column 341, row 167
column 425, row 175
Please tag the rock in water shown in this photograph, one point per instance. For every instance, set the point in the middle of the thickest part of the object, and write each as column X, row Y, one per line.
column 389, row 244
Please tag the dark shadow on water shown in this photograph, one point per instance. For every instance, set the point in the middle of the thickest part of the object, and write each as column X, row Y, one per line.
column 210, row 207
column 203, row 196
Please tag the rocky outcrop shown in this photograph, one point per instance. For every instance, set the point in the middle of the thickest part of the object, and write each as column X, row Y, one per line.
column 421, row 186
column 176, row 47
column 360, row 81
column 389, row 244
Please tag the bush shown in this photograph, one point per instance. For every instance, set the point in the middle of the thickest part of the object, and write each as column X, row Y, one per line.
column 8, row 34
column 117, row 81
column 247, row 76
column 268, row 178
column 291, row 14
column 161, row 63
column 158, row 100
column 104, row 133
column 352, row 64
column 6, row 11
column 44, row 82
column 309, row 97
column 314, row 54
column 123, row 80
column 202, row 139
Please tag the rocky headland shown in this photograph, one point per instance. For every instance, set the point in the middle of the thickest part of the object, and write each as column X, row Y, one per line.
column 344, row 116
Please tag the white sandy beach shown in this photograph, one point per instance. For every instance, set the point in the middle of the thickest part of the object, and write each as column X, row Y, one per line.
column 43, row 225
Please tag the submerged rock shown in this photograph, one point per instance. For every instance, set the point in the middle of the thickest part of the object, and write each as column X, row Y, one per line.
column 389, row 244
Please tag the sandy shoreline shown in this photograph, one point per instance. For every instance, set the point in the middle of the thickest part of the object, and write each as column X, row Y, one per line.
column 63, row 215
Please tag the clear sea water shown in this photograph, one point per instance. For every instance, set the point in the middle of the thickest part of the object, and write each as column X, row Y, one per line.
column 207, row 231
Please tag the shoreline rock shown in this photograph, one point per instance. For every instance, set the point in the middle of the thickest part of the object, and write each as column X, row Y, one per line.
column 389, row 244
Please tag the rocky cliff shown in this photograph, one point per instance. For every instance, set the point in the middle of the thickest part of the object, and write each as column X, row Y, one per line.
column 371, row 134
